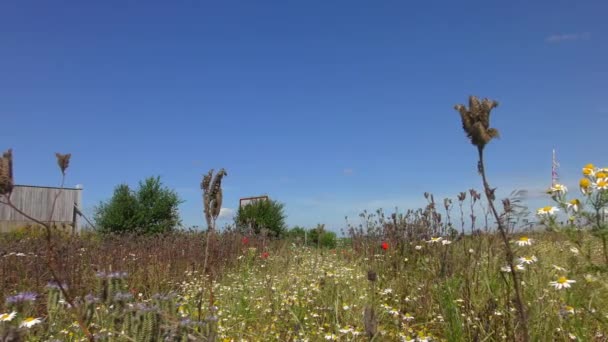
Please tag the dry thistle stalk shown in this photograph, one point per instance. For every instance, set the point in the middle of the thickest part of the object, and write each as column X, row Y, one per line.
column 476, row 125
column 6, row 173
column 63, row 160
column 6, row 186
column 212, row 196
column 370, row 322
column 476, row 120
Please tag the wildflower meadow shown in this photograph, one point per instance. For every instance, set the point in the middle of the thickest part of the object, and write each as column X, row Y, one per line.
column 466, row 268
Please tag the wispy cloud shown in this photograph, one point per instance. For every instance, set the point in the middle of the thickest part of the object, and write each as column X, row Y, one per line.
column 564, row 37
column 226, row 214
column 348, row 171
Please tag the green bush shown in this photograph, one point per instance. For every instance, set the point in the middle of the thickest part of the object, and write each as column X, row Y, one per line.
column 319, row 237
column 260, row 215
column 297, row 233
column 152, row 208
column 327, row 240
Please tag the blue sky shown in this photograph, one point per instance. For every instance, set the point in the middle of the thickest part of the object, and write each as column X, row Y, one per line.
column 330, row 107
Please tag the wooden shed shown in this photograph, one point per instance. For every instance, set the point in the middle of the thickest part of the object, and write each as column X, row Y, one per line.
column 37, row 201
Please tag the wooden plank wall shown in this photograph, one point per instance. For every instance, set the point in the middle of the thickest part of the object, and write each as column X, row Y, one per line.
column 38, row 202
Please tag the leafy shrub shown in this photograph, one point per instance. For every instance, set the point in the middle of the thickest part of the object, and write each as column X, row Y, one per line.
column 297, row 233
column 322, row 238
column 260, row 215
column 328, row 240
column 152, row 208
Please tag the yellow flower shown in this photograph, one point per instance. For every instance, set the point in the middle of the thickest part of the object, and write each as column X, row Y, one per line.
column 601, row 175
column 602, row 184
column 588, row 169
column 585, row 184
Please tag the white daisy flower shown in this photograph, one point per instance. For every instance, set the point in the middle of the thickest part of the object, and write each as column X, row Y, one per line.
column 559, row 188
column 346, row 330
column 446, row 242
column 602, row 184
column 573, row 204
column 562, row 283
column 518, row 267
column 590, row 278
column 435, row 239
column 527, row 260
column 559, row 268
column 548, row 210
column 567, row 310
column 7, row 317
column 524, row 241
column 30, row 322
column 408, row 317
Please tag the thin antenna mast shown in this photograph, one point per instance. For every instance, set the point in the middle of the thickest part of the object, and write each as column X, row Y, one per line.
column 554, row 166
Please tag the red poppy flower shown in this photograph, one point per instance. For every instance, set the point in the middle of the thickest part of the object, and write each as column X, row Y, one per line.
column 245, row 240
column 384, row 245
column 264, row 255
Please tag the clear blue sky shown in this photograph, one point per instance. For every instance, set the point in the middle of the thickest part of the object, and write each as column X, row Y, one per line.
column 328, row 106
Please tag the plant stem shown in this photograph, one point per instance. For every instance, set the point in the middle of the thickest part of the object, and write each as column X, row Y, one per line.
column 509, row 252
column 51, row 265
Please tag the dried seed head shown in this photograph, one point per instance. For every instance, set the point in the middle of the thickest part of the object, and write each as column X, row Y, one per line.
column 63, row 160
column 212, row 195
column 506, row 203
column 490, row 194
column 206, row 180
column 476, row 120
column 6, row 173
column 462, row 196
column 217, row 182
column 372, row 276
column 447, row 203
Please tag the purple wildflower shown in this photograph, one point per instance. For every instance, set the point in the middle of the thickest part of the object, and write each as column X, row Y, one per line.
column 21, row 297
column 91, row 299
column 122, row 296
column 117, row 275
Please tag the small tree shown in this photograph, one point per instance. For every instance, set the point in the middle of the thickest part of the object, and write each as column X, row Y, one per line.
column 152, row 208
column 322, row 238
column 262, row 214
column 298, row 234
